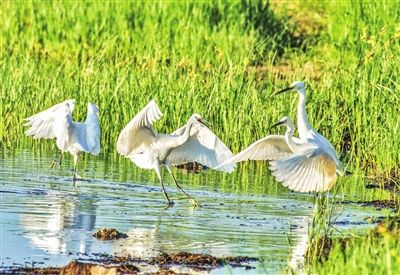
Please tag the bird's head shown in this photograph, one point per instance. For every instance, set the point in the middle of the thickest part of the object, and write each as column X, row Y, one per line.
column 197, row 118
column 92, row 108
column 298, row 86
column 68, row 108
column 285, row 121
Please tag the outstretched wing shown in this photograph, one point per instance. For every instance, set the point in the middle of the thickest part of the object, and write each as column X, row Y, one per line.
column 42, row 125
column 312, row 170
column 203, row 147
column 139, row 130
column 269, row 148
column 92, row 129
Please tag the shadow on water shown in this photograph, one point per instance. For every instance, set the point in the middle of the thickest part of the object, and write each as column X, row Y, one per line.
column 44, row 222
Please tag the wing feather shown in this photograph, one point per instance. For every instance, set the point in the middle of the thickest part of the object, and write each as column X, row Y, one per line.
column 203, row 147
column 41, row 125
column 93, row 132
column 269, row 148
column 311, row 171
column 136, row 132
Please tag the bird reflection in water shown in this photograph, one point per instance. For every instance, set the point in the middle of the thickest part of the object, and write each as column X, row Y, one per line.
column 49, row 226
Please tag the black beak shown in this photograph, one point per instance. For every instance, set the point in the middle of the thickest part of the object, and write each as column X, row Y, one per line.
column 277, row 124
column 282, row 91
column 203, row 121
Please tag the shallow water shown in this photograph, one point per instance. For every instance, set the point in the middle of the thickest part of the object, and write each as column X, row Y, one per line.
column 45, row 222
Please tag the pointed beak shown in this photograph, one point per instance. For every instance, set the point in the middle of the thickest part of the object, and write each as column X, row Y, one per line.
column 204, row 122
column 282, row 91
column 276, row 124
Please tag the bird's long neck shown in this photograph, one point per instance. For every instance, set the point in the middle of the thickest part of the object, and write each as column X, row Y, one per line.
column 302, row 122
column 289, row 137
column 186, row 134
column 91, row 117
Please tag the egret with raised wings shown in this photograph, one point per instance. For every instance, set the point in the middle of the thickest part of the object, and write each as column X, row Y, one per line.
column 73, row 137
column 193, row 142
column 313, row 166
column 309, row 167
column 306, row 132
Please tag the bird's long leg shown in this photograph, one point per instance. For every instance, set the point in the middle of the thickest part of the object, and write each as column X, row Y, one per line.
column 158, row 172
column 191, row 199
column 75, row 168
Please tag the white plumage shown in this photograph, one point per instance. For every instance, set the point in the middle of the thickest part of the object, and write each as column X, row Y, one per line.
column 306, row 164
column 269, row 148
column 193, row 142
column 307, row 168
column 73, row 137
column 314, row 166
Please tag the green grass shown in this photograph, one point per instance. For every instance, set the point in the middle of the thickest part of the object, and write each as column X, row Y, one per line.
column 222, row 60
column 378, row 252
column 217, row 59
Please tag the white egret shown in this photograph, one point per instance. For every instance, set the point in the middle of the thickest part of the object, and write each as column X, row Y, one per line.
column 310, row 164
column 193, row 142
column 306, row 132
column 308, row 168
column 298, row 164
column 73, row 137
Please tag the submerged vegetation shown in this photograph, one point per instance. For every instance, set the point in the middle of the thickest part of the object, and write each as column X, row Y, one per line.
column 222, row 60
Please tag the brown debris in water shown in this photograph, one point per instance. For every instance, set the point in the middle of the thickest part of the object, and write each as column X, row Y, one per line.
column 377, row 204
column 199, row 261
column 192, row 167
column 76, row 267
column 109, row 234
column 127, row 265
column 389, row 180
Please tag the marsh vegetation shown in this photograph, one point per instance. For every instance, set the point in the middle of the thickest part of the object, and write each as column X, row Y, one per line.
column 221, row 60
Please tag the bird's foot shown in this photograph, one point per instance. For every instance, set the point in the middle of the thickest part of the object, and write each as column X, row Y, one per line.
column 170, row 204
column 194, row 202
column 55, row 163
column 77, row 177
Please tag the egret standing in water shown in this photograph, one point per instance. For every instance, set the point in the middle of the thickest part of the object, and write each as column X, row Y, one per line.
column 73, row 137
column 193, row 142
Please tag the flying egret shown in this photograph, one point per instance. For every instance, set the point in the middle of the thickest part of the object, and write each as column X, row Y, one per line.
column 73, row 137
column 193, row 142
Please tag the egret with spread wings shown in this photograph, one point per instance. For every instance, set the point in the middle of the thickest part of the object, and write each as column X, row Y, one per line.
column 194, row 142
column 297, row 163
column 308, row 168
column 313, row 166
column 73, row 137
column 322, row 162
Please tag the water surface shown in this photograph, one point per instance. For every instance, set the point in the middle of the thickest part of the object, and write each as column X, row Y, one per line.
column 45, row 222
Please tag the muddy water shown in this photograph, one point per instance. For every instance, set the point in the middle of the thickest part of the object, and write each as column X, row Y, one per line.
column 45, row 222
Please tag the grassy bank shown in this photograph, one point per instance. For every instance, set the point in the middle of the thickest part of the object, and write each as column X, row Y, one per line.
column 378, row 252
column 218, row 59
